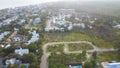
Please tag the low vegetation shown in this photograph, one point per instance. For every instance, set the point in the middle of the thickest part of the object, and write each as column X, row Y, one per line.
column 55, row 48
column 72, row 36
column 79, row 46
column 108, row 56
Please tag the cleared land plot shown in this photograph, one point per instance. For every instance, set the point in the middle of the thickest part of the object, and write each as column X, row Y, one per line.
column 108, row 56
column 55, row 48
column 71, row 36
column 79, row 46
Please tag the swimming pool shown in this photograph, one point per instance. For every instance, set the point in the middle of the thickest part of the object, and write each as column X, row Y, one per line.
column 79, row 66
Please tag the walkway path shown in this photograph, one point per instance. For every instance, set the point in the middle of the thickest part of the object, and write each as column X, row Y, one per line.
column 66, row 50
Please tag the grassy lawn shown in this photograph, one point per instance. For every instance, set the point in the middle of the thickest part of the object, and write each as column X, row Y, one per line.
column 108, row 56
column 31, row 26
column 55, row 48
column 58, row 37
column 79, row 46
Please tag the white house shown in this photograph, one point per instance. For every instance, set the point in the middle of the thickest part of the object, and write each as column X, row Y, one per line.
column 12, row 61
column 35, row 37
column 22, row 51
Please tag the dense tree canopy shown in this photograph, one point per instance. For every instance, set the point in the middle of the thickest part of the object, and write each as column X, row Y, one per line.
column 29, row 58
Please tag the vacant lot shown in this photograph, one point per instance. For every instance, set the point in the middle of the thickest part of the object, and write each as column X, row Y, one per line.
column 79, row 46
column 55, row 48
column 72, row 36
column 108, row 56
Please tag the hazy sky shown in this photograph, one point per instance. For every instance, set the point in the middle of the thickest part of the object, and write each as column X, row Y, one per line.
column 15, row 3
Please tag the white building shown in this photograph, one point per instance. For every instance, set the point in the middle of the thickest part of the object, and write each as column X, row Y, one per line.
column 12, row 61
column 36, row 21
column 35, row 37
column 22, row 51
column 58, row 23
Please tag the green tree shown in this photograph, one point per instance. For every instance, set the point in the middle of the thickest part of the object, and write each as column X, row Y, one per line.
column 83, row 55
column 29, row 58
column 32, row 47
column 1, row 48
column 34, row 65
column 94, row 55
column 117, row 46
column 9, row 50
column 88, row 65
column 94, row 59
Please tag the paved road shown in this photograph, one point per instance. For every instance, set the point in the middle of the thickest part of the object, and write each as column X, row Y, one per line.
column 47, row 54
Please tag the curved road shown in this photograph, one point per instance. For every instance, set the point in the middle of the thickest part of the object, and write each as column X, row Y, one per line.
column 47, row 54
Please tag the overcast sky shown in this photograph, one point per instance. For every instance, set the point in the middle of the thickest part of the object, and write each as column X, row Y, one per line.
column 15, row 3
